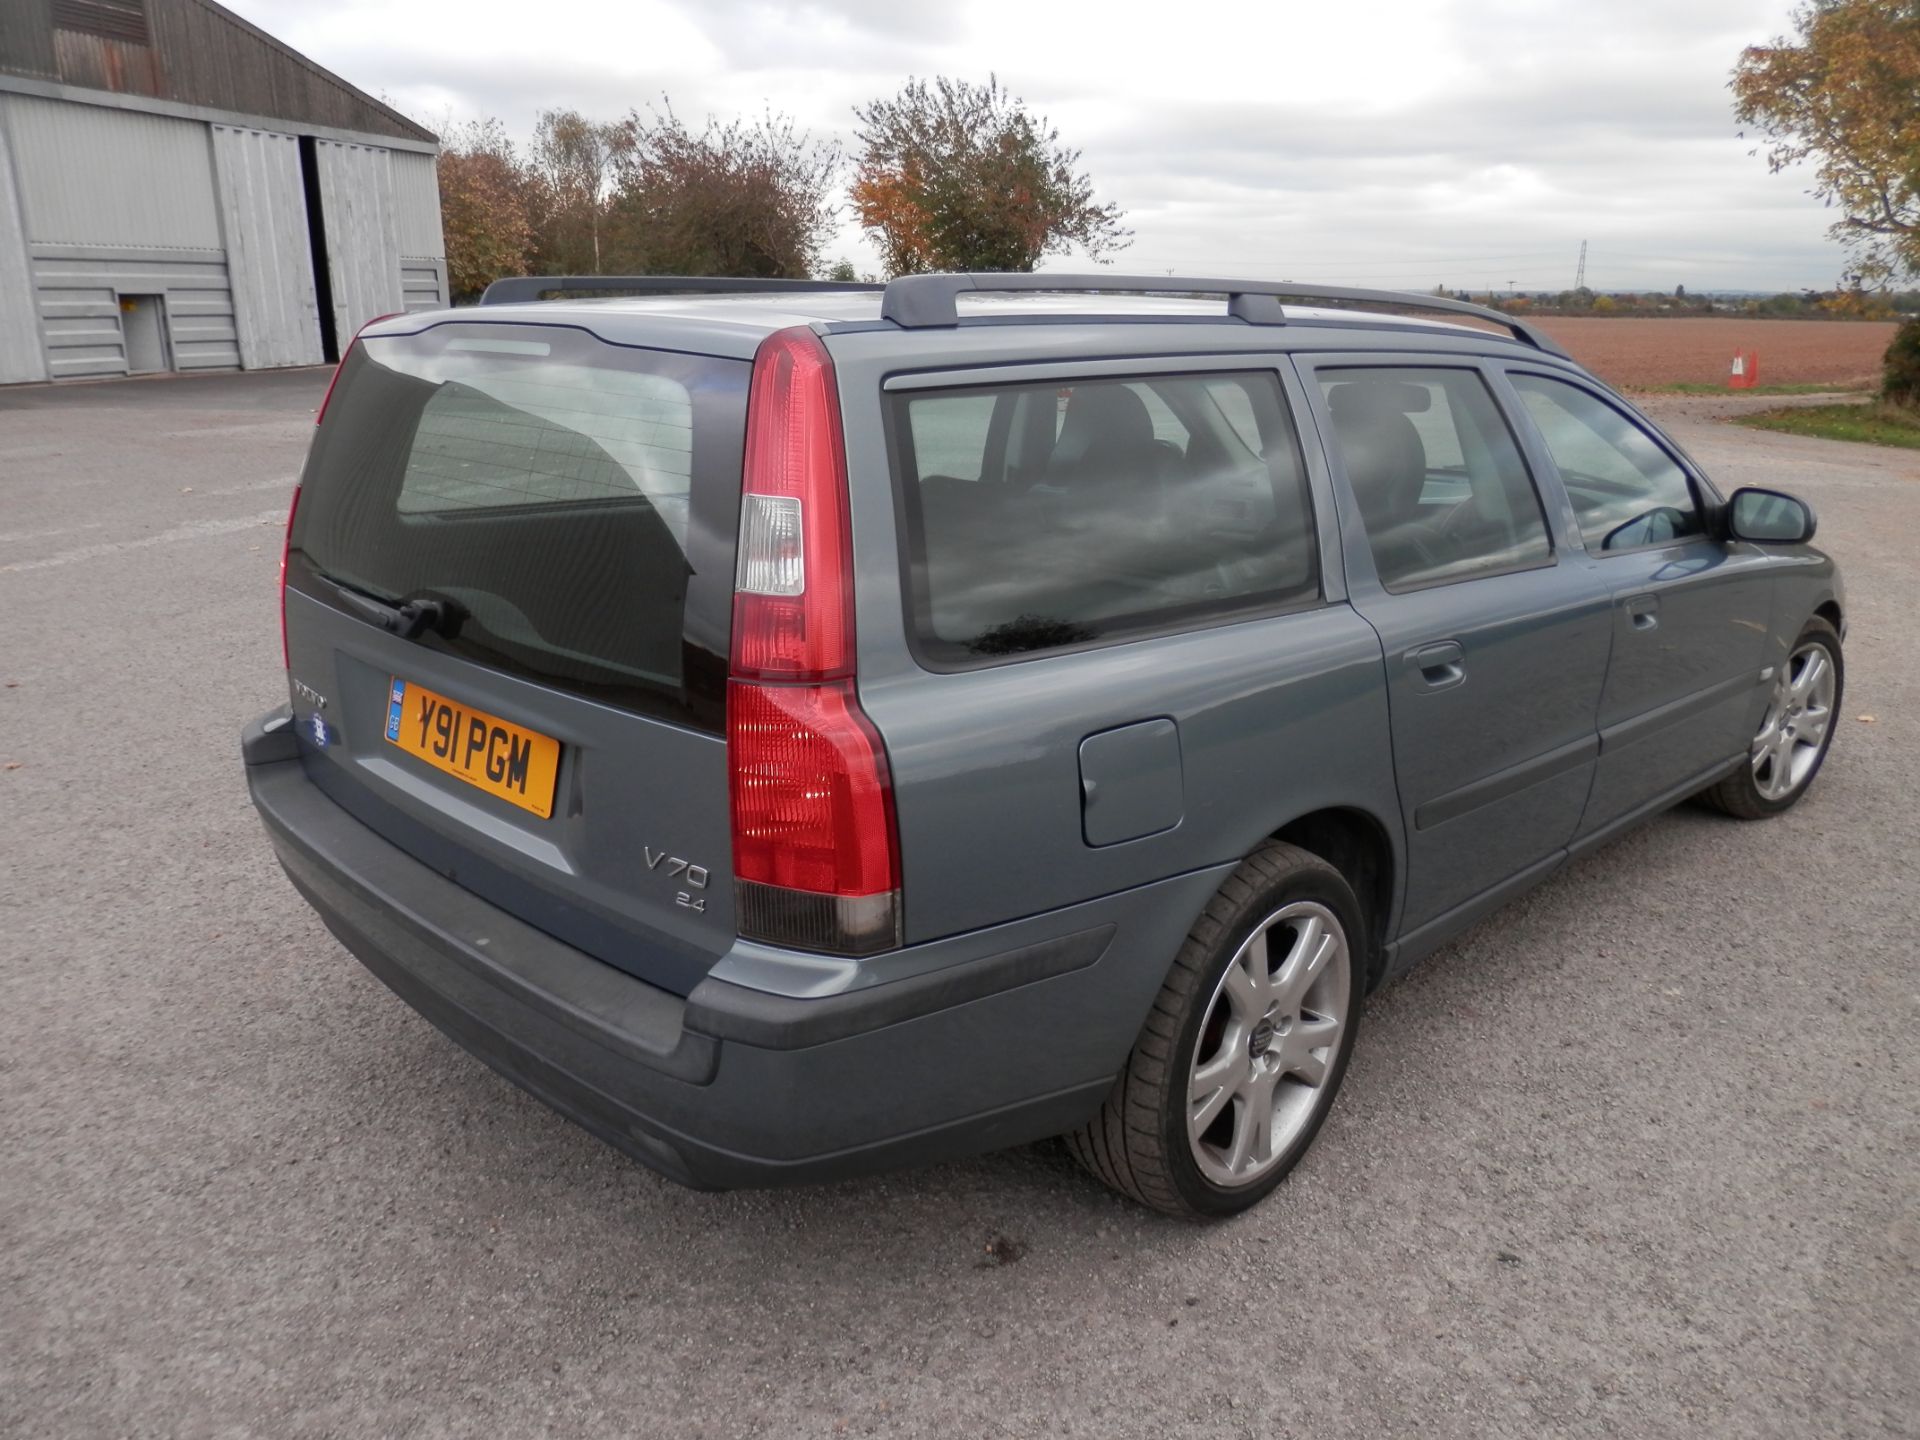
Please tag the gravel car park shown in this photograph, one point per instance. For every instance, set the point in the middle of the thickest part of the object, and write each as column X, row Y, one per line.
column 1638, row 1156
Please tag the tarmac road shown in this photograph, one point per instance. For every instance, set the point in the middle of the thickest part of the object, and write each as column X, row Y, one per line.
column 1639, row 1156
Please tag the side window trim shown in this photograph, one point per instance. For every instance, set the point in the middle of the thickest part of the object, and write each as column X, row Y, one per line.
column 898, row 389
column 1706, row 499
column 1356, row 553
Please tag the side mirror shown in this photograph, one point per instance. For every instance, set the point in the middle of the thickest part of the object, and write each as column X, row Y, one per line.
column 1767, row 517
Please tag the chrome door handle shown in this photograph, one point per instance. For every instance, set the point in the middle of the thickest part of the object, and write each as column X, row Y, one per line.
column 1643, row 612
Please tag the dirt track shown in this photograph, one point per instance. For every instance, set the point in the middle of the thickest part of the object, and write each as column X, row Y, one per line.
column 1645, row 353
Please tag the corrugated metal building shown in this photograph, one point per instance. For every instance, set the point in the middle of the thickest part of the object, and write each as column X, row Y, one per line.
column 181, row 191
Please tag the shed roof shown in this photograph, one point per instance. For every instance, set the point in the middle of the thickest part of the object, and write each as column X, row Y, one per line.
column 190, row 52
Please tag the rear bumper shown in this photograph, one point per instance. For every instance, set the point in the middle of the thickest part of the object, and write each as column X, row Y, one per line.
column 1014, row 1035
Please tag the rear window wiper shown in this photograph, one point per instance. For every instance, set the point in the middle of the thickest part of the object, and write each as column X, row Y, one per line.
column 409, row 619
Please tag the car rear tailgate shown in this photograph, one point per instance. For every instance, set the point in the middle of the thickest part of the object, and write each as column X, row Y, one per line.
column 551, row 735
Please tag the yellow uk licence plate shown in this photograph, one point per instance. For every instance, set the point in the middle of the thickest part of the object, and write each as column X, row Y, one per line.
column 517, row 764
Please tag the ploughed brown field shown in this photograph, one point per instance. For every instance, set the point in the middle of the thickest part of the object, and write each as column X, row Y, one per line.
column 1637, row 353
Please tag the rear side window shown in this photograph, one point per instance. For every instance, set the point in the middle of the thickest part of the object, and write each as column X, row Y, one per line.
column 572, row 503
column 1625, row 489
column 1047, row 516
column 1438, row 477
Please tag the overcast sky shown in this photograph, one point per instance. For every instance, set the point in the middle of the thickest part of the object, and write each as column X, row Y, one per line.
column 1466, row 142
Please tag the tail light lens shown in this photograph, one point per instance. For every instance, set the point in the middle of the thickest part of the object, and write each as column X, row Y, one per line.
column 286, row 549
column 793, row 591
column 815, row 849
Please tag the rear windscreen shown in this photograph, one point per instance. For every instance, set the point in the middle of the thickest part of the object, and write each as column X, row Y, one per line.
column 569, row 505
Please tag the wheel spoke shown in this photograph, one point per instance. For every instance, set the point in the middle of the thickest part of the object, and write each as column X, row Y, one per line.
column 1304, row 962
column 1813, row 726
column 1226, row 1071
column 1307, row 1067
column 1809, row 677
column 1253, row 1127
column 1247, row 996
column 1204, row 1112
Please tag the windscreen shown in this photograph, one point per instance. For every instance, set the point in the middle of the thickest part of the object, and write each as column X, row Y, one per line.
column 568, row 505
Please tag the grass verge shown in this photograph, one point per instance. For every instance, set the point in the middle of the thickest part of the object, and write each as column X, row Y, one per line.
column 1874, row 424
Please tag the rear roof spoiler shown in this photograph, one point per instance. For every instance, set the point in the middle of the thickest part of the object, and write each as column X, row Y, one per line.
column 517, row 288
column 918, row 302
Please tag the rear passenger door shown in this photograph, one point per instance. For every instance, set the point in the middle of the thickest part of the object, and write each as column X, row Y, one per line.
column 1689, row 614
column 1495, row 643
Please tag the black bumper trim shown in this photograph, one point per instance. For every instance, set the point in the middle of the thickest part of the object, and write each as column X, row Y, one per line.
column 523, row 966
column 780, row 1022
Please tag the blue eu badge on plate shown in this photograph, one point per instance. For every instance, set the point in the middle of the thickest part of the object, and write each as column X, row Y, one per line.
column 396, row 698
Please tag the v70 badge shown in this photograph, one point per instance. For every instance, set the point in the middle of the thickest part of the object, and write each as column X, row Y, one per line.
column 677, row 869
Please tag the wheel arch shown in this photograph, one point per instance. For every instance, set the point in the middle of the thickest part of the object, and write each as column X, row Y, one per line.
column 1829, row 611
column 1360, row 846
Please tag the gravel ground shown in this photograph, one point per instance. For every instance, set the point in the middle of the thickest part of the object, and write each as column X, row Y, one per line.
column 1638, row 1156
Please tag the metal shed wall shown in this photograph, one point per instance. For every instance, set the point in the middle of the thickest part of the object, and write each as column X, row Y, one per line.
column 80, row 292
column 119, row 203
column 423, row 250
column 94, row 176
column 20, row 353
column 363, row 245
column 263, row 212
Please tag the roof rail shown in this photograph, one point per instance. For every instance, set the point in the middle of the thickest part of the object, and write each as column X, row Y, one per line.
column 917, row 302
column 516, row 288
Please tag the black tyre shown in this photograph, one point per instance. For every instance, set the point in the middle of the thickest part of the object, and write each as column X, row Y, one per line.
column 1795, row 734
column 1245, row 1047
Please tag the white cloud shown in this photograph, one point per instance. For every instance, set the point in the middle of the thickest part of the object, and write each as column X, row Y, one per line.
column 1470, row 142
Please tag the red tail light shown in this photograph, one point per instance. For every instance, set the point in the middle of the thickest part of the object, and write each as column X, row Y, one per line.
column 815, row 854
column 286, row 548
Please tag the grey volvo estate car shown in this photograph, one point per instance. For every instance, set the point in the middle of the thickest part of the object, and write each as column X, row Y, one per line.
column 798, row 730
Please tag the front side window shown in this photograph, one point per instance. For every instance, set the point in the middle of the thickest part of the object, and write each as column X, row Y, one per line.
column 1046, row 516
column 1626, row 490
column 1442, row 490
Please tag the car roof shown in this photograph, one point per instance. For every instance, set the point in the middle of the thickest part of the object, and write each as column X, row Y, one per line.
column 736, row 323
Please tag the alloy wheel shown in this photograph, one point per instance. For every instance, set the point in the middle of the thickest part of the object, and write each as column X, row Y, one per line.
column 1267, row 1043
column 1794, row 732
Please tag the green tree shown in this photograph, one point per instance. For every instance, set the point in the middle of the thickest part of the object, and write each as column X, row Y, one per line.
column 1844, row 93
column 1901, row 383
column 733, row 199
column 485, row 214
column 570, row 171
column 957, row 176
column 842, row 271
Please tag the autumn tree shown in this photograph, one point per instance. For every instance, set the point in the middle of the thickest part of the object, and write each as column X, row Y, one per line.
column 571, row 170
column 958, row 176
column 1844, row 93
column 484, row 212
column 741, row 198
